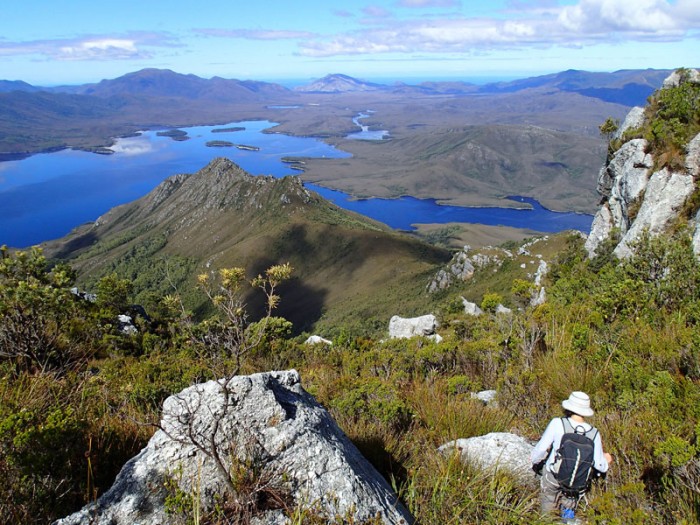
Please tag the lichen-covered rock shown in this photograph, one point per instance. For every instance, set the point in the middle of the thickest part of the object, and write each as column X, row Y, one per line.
column 500, row 450
column 600, row 229
column 674, row 79
column 629, row 169
column 692, row 157
column 637, row 200
column 696, row 235
column 633, row 120
column 265, row 416
column 666, row 193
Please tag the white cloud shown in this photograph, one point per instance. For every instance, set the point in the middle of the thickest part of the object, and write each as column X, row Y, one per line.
column 597, row 16
column 132, row 146
column 535, row 23
column 91, row 47
column 99, row 49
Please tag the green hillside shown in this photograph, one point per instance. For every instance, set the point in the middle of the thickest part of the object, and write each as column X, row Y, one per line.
column 346, row 266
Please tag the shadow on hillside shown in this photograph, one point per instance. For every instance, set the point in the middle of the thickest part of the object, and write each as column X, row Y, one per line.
column 301, row 304
column 70, row 248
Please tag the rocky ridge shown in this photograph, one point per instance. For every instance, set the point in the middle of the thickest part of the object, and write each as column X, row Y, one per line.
column 466, row 262
column 637, row 196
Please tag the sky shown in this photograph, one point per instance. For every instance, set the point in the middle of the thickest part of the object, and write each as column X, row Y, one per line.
column 49, row 42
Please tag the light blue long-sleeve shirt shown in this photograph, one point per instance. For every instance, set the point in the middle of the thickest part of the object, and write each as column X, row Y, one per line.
column 551, row 439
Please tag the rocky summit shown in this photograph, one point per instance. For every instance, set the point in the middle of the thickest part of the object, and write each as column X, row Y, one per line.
column 266, row 422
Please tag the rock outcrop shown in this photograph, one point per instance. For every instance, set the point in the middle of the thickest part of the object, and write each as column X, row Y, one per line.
column 465, row 263
column 637, row 196
column 497, row 450
column 266, row 419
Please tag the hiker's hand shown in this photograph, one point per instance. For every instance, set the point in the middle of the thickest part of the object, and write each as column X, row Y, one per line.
column 608, row 457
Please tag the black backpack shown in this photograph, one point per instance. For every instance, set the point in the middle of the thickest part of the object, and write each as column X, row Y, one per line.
column 574, row 459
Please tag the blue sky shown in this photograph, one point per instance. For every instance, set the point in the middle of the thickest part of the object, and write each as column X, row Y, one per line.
column 46, row 42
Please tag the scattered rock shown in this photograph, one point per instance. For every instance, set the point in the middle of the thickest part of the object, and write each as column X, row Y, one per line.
column 502, row 310
column 542, row 270
column 126, row 325
column 471, row 308
column 486, row 396
column 316, row 340
column 400, row 327
column 539, row 297
column 265, row 416
column 495, row 450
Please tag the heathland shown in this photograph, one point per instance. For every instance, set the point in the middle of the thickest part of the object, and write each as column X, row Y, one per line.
column 204, row 254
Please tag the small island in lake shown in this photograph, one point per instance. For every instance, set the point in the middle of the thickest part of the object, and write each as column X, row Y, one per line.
column 294, row 163
column 227, row 130
column 175, row 134
column 100, row 150
column 227, row 144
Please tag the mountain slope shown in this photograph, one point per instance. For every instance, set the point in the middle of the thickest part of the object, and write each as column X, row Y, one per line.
column 221, row 217
column 338, row 83
column 627, row 87
column 167, row 83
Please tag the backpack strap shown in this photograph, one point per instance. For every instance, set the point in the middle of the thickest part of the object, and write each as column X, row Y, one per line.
column 565, row 422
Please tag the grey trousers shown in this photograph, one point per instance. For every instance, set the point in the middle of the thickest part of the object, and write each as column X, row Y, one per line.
column 551, row 500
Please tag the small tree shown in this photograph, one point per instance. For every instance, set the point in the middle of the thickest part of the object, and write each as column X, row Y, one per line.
column 227, row 340
column 607, row 130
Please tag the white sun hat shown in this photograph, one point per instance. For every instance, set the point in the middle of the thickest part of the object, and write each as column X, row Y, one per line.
column 578, row 403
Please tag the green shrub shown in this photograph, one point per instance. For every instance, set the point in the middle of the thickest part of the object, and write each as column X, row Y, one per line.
column 372, row 400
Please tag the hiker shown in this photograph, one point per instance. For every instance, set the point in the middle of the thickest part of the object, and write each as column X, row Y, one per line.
column 564, row 482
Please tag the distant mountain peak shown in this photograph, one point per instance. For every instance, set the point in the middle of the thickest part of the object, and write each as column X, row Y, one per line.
column 339, row 83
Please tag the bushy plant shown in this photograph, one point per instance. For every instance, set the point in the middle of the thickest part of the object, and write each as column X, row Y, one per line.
column 42, row 323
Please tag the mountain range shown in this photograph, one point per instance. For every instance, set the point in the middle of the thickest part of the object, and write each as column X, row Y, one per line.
column 629, row 87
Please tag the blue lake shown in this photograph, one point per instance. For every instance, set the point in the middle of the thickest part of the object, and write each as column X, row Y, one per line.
column 46, row 195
